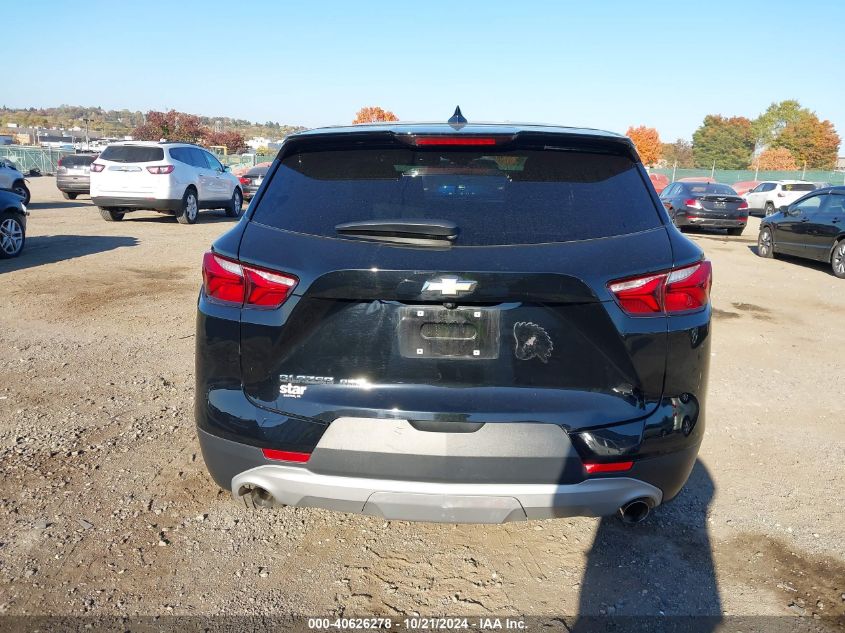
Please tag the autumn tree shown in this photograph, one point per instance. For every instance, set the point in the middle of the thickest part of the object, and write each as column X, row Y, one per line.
column 647, row 142
column 775, row 159
column 811, row 141
column 234, row 142
column 374, row 114
column 172, row 125
column 678, row 153
column 729, row 141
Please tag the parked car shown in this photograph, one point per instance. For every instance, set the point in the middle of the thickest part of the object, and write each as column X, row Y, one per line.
column 73, row 175
column 812, row 227
column 13, row 180
column 767, row 197
column 463, row 326
column 174, row 178
column 704, row 204
column 12, row 224
column 252, row 180
column 660, row 181
column 744, row 186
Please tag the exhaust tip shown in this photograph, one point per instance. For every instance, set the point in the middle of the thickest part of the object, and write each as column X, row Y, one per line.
column 256, row 496
column 635, row 511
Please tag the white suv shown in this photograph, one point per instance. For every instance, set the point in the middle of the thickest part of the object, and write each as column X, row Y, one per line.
column 176, row 178
column 770, row 195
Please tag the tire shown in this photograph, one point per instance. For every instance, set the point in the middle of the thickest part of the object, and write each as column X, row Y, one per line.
column 235, row 206
column 769, row 210
column 110, row 215
column 837, row 260
column 19, row 187
column 12, row 235
column 765, row 243
column 69, row 195
column 737, row 231
column 190, row 210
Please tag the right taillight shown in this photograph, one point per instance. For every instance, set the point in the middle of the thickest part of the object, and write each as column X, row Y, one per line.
column 676, row 291
column 244, row 180
column 232, row 282
column 97, row 167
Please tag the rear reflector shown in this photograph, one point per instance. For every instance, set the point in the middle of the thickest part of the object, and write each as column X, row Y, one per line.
column 231, row 282
column 674, row 292
column 97, row 167
column 285, row 456
column 614, row 467
column 422, row 141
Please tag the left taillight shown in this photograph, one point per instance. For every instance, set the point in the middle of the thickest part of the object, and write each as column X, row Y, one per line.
column 676, row 291
column 97, row 167
column 160, row 169
column 244, row 180
column 232, row 282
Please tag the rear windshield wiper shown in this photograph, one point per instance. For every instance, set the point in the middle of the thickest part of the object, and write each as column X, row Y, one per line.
column 404, row 231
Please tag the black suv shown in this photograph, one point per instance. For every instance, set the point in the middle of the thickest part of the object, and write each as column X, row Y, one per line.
column 461, row 323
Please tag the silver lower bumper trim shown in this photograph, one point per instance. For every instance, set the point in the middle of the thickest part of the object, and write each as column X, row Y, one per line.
column 443, row 502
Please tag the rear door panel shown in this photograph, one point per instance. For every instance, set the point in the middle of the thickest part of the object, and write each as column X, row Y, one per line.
column 552, row 346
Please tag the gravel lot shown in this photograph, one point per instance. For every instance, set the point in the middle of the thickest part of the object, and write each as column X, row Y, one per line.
column 107, row 508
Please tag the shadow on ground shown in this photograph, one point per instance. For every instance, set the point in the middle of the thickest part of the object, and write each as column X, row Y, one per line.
column 800, row 261
column 662, row 567
column 48, row 249
column 205, row 217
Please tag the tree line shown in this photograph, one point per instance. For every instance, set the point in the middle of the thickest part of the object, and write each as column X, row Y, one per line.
column 786, row 137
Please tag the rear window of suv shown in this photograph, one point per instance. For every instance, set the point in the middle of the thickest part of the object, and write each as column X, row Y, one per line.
column 132, row 154
column 495, row 198
column 79, row 160
column 799, row 186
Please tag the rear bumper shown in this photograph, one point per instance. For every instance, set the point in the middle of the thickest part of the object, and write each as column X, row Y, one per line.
column 73, row 185
column 241, row 467
column 722, row 223
column 444, row 503
column 154, row 204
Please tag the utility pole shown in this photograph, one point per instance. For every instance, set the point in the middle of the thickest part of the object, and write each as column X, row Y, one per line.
column 804, row 173
column 87, row 142
column 674, row 168
column 713, row 170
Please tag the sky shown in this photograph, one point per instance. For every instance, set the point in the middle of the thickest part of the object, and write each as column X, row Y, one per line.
column 602, row 64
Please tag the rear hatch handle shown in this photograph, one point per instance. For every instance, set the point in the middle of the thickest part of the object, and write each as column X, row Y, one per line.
column 408, row 230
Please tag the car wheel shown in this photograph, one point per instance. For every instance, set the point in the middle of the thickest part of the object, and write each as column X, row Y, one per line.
column 190, row 208
column 110, row 215
column 21, row 189
column 69, row 195
column 12, row 235
column 737, row 231
column 765, row 243
column 837, row 259
column 769, row 210
column 234, row 208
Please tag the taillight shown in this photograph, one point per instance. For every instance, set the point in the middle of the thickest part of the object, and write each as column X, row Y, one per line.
column 59, row 164
column 742, row 206
column 244, row 180
column 674, row 292
column 97, row 167
column 692, row 203
column 229, row 281
column 286, row 456
column 160, row 169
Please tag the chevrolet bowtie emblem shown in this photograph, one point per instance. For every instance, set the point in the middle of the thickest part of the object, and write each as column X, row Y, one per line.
column 449, row 286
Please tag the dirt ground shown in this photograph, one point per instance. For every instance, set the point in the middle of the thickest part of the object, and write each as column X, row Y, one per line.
column 107, row 508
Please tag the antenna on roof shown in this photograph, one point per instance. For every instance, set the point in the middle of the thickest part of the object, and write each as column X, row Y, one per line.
column 458, row 120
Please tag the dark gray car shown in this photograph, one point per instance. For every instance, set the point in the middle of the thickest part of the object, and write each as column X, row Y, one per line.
column 73, row 175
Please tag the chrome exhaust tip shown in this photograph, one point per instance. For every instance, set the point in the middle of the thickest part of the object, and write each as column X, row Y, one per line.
column 635, row 511
column 255, row 496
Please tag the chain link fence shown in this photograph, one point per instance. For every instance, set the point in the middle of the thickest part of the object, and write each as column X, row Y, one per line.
column 43, row 159
column 730, row 177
